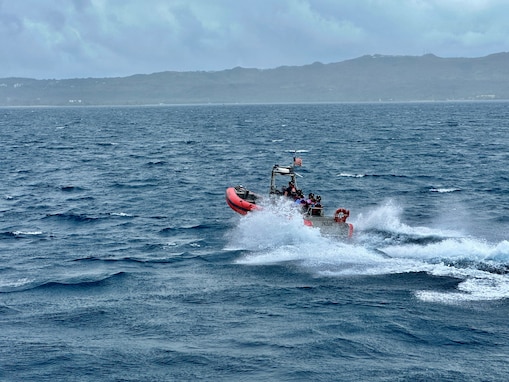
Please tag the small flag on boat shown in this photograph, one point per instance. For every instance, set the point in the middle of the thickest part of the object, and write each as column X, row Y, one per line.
column 297, row 161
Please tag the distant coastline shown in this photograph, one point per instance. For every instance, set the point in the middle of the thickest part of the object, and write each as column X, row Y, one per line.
column 373, row 78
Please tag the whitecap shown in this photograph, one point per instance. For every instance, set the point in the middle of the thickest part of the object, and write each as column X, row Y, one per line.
column 347, row 175
column 27, row 233
column 444, row 190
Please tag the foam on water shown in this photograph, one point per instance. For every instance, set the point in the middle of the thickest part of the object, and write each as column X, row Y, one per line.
column 347, row 175
column 277, row 235
column 26, row 233
column 387, row 218
column 444, row 190
column 270, row 228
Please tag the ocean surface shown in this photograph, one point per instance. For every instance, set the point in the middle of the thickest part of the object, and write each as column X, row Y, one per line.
column 120, row 260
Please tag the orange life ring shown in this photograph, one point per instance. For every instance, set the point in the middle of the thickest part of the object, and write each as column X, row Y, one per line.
column 341, row 215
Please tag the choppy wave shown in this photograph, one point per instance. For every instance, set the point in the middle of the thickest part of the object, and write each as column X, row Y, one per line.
column 348, row 175
column 121, row 214
column 444, row 190
column 20, row 234
column 83, row 279
column 72, row 217
column 70, row 188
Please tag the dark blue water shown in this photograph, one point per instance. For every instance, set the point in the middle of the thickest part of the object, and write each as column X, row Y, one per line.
column 120, row 260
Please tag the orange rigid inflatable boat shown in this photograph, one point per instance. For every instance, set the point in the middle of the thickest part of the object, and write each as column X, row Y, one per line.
column 243, row 201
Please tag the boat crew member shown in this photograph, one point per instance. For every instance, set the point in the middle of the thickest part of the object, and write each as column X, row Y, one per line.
column 300, row 200
column 290, row 190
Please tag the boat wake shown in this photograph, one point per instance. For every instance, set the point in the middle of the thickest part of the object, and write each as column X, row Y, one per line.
column 382, row 245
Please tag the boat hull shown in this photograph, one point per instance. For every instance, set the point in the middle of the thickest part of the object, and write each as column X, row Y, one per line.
column 328, row 226
column 241, row 200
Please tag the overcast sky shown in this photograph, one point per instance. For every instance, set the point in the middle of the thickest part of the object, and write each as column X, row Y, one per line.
column 108, row 38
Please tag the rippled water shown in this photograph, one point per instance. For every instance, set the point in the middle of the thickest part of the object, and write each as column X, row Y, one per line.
column 120, row 259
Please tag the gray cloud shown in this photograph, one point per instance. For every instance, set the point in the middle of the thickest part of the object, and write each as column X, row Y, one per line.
column 99, row 38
